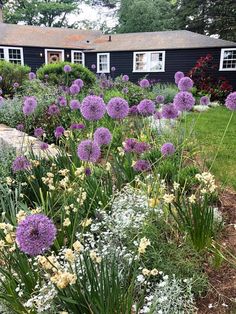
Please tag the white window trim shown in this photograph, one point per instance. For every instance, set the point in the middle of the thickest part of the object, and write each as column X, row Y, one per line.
column 56, row 50
column 222, row 59
column 6, row 53
column 148, row 61
column 108, row 62
column 73, row 57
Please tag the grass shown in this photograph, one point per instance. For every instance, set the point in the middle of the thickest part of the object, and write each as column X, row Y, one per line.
column 208, row 131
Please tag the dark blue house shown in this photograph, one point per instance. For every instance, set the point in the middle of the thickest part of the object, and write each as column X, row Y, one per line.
column 157, row 55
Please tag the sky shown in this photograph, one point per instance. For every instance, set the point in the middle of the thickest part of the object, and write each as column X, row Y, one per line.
column 94, row 14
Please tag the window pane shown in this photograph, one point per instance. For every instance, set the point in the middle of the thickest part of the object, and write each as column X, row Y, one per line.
column 229, row 59
column 78, row 57
column 156, row 63
column 103, row 63
column 1, row 54
column 15, row 56
column 141, row 62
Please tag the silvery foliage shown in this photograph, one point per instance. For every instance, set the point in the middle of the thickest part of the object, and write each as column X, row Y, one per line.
column 170, row 295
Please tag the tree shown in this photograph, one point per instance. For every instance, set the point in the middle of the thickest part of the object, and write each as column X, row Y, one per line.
column 40, row 12
column 145, row 16
column 210, row 17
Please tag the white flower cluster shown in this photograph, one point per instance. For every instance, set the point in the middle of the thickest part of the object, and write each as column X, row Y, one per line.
column 208, row 182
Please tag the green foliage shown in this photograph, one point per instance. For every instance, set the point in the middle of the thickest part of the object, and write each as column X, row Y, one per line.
column 12, row 73
column 167, row 90
column 40, row 12
column 110, row 93
column 57, row 76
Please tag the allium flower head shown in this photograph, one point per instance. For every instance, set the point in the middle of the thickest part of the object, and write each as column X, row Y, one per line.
column 93, row 108
column 74, row 89
column 204, row 101
column 79, row 82
column 102, row 136
column 133, row 111
column 32, row 76
column 77, row 126
column 67, row 68
column 113, row 69
column 93, row 66
column 185, row 84
column 53, row 110
column 38, row 132
column 87, row 172
column 59, row 131
column 146, row 107
column 129, row 145
column 20, row 127
column 178, row 76
column 88, row 151
column 16, row 85
column 167, row 149
column 74, row 104
column 117, row 108
column 21, row 163
column 144, row 83
column 62, row 101
column 125, row 78
column 125, row 90
column 29, row 105
column 160, row 99
column 230, row 102
column 43, row 146
column 141, row 147
column 157, row 115
column 142, row 165
column 169, row 112
column 35, row 234
column 184, row 101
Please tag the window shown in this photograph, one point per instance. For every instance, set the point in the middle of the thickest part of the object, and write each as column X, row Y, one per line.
column 153, row 61
column 12, row 54
column 103, row 63
column 228, row 59
column 77, row 57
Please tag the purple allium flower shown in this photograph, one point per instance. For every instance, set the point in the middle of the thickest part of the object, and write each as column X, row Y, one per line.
column 59, row 131
column 93, row 108
column 141, row 147
column 93, row 66
column 133, row 111
column 146, row 107
column 142, row 165
column 178, row 76
column 74, row 89
column 144, row 83
column 160, row 99
column 38, row 132
column 43, row 146
column 87, row 172
column 184, row 101
column 53, row 110
column 32, row 76
column 117, row 108
column 125, row 90
column 157, row 115
column 204, row 100
column 230, row 102
column 167, row 149
column 79, row 82
column 29, row 105
column 62, row 101
column 185, row 84
column 21, row 163
column 20, row 127
column 77, row 126
column 102, row 136
column 169, row 112
column 74, row 104
column 125, row 78
column 46, row 76
column 113, row 69
column 16, row 85
column 89, row 151
column 129, row 145
column 67, row 68
column 35, row 234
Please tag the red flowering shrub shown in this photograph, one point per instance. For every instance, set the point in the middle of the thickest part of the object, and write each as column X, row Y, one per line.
column 203, row 75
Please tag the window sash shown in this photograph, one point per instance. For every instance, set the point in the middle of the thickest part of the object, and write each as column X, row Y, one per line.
column 77, row 57
column 103, row 63
column 153, row 61
column 12, row 54
column 228, row 59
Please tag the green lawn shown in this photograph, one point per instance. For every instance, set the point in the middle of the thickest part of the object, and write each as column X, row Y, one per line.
column 208, row 130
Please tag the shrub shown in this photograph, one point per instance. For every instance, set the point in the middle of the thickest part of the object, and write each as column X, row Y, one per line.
column 55, row 74
column 12, row 73
column 111, row 94
column 167, row 90
column 204, row 80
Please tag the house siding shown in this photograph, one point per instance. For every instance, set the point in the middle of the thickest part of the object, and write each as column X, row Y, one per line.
column 175, row 60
